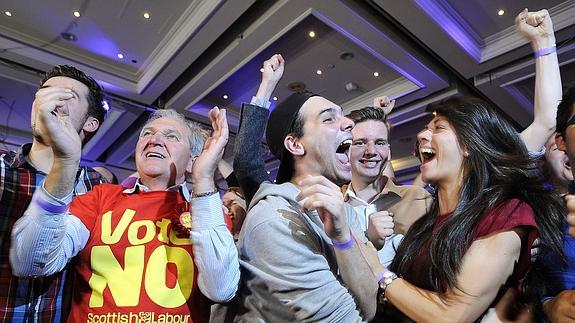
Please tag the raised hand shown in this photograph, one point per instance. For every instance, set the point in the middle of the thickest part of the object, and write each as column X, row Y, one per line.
column 384, row 103
column 317, row 192
column 205, row 165
column 380, row 226
column 537, row 27
column 53, row 125
column 272, row 72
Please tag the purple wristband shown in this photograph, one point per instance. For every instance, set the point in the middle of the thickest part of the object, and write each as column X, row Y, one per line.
column 343, row 245
column 545, row 51
column 383, row 274
column 380, row 276
column 49, row 207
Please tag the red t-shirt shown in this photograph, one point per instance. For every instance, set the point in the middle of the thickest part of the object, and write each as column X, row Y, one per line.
column 506, row 216
column 137, row 265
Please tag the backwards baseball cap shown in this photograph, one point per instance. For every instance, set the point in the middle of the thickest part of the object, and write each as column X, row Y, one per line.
column 280, row 124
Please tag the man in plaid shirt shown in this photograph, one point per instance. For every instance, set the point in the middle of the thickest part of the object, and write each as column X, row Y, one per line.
column 68, row 92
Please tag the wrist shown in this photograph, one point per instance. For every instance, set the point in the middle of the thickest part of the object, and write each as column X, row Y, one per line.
column 384, row 280
column 201, row 185
column 265, row 90
column 342, row 235
column 196, row 194
column 542, row 42
column 343, row 244
column 545, row 51
column 67, row 161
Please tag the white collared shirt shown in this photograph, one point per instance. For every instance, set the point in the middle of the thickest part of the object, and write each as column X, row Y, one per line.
column 363, row 210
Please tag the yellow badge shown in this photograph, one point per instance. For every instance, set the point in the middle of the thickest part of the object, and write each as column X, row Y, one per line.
column 186, row 220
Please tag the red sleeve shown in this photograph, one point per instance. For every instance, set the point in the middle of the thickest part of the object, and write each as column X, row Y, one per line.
column 507, row 216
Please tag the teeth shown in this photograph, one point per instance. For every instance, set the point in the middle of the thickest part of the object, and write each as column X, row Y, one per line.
column 344, row 146
column 426, row 150
column 153, row 154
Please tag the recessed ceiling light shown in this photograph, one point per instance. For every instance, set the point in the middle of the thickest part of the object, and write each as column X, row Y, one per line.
column 501, row 12
column 376, row 74
column 225, row 96
column 77, row 14
column 311, row 34
column 268, row 172
column 318, row 72
column 120, row 56
column 146, row 15
column 8, row 13
column 68, row 36
column 275, row 98
column 346, row 56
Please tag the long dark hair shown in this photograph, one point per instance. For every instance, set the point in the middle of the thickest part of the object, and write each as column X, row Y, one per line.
column 498, row 168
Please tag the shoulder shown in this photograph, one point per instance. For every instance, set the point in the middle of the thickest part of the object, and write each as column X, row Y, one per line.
column 414, row 192
column 512, row 208
column 276, row 216
column 272, row 209
column 506, row 216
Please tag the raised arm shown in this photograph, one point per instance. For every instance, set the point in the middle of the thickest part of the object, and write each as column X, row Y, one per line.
column 248, row 163
column 46, row 237
column 538, row 28
column 215, row 252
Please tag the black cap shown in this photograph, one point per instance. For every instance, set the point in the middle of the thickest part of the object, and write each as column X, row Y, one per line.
column 280, row 124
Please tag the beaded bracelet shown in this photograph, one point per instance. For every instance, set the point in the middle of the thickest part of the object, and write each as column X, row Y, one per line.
column 194, row 195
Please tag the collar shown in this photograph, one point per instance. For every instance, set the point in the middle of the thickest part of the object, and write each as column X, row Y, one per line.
column 138, row 186
column 21, row 159
column 390, row 187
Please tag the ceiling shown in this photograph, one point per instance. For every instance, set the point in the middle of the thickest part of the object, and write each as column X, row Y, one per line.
column 188, row 54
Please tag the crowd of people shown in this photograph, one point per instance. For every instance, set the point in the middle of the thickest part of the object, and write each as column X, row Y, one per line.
column 332, row 239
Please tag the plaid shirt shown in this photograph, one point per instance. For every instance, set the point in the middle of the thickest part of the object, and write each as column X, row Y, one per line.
column 44, row 299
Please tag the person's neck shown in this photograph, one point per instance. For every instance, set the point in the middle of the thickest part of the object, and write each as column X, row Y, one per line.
column 367, row 189
column 41, row 156
column 448, row 197
column 157, row 183
column 298, row 177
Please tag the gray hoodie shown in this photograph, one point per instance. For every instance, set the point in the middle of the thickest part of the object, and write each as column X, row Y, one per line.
column 289, row 268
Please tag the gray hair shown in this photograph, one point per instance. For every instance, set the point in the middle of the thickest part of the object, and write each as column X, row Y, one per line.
column 197, row 136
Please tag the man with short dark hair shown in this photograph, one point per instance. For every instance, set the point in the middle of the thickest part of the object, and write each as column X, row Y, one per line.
column 70, row 93
column 298, row 255
column 385, row 210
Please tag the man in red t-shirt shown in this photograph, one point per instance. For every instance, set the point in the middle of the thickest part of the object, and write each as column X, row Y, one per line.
column 135, row 246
